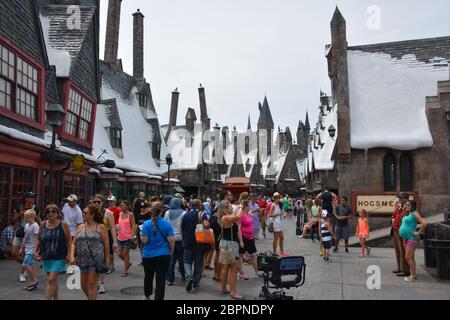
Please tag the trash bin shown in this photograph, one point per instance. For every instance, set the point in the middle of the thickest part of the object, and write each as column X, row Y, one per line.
column 437, row 249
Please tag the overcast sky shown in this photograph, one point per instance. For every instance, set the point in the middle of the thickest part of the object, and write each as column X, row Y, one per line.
column 240, row 50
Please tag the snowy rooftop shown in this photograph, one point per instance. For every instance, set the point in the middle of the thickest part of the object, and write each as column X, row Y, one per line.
column 136, row 135
column 388, row 98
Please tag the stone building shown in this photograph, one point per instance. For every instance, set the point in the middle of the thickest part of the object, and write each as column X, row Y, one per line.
column 46, row 61
column 127, row 126
column 392, row 133
column 231, row 153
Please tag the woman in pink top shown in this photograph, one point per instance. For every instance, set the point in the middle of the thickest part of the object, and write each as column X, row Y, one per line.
column 248, row 234
column 125, row 235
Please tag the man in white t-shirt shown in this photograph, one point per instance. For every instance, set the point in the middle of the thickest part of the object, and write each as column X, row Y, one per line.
column 72, row 214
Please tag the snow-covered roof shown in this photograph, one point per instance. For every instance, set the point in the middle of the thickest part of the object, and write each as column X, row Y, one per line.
column 136, row 134
column 323, row 156
column 388, row 98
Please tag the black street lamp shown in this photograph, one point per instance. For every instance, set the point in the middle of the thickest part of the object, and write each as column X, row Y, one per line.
column 169, row 162
column 55, row 117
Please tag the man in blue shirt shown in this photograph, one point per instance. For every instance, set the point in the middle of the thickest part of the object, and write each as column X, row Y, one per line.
column 193, row 253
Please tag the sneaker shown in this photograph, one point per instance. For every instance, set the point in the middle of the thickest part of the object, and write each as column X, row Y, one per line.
column 110, row 270
column 243, row 276
column 189, row 285
column 328, row 259
column 22, row 278
column 283, row 254
column 346, row 250
column 169, row 283
column 335, row 250
column 256, row 275
column 196, row 285
column 301, row 237
column 101, row 288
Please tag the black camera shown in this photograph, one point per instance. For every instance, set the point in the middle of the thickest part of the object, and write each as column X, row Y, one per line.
column 265, row 261
column 20, row 232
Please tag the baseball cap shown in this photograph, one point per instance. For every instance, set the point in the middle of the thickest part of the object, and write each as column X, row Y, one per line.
column 29, row 195
column 324, row 213
column 72, row 198
column 112, row 198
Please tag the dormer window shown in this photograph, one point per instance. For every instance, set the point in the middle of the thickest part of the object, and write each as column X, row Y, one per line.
column 142, row 100
column 78, row 116
column 247, row 145
column 156, row 151
column 116, row 138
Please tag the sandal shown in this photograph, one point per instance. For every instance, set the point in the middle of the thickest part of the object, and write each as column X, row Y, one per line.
column 32, row 287
column 237, row 297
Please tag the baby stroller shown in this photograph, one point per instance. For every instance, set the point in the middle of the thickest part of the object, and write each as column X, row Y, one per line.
column 282, row 272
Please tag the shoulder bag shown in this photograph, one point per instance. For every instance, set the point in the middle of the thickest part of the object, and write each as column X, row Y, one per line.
column 203, row 236
column 227, row 252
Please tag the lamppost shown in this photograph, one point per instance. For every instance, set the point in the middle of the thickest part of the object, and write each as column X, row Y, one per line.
column 169, row 162
column 216, row 177
column 55, row 117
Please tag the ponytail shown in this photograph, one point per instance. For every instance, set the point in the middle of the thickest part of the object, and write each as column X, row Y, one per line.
column 155, row 213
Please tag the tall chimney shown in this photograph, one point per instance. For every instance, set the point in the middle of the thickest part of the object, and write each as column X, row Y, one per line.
column 138, row 45
column 203, row 109
column 112, row 33
column 174, row 108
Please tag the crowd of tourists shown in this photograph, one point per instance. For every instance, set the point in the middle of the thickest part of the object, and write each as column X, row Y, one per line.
column 197, row 235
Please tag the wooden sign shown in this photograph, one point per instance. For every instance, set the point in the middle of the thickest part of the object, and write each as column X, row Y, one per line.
column 78, row 163
column 379, row 204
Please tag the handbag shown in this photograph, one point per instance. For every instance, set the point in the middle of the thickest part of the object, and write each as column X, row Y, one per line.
column 203, row 236
column 227, row 253
column 100, row 266
column 270, row 226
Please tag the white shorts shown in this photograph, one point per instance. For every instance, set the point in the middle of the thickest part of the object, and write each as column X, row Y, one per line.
column 277, row 227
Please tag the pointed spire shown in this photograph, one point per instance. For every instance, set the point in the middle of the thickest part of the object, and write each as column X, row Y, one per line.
column 265, row 117
column 249, row 124
column 307, row 125
column 338, row 18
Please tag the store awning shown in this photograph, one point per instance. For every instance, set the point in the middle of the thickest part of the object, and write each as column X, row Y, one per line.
column 179, row 189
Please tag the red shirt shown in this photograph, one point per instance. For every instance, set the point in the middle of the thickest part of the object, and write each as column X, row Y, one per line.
column 116, row 212
column 398, row 216
column 263, row 205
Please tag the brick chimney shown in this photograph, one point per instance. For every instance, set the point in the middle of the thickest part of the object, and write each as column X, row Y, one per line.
column 138, row 45
column 174, row 108
column 112, row 33
column 203, row 109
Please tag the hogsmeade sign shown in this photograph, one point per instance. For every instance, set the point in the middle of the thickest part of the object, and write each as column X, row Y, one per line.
column 379, row 204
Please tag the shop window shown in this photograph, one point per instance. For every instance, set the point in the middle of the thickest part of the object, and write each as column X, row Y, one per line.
column 406, row 174
column 389, row 173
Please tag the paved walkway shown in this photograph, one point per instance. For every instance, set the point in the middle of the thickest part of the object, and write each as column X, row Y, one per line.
column 343, row 279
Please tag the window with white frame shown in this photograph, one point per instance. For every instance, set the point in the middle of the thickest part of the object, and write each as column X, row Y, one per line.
column 78, row 116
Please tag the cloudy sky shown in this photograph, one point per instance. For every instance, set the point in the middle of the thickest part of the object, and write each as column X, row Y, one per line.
column 241, row 50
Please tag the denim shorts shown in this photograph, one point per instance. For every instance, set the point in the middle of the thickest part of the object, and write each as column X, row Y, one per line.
column 89, row 268
column 28, row 261
column 127, row 244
